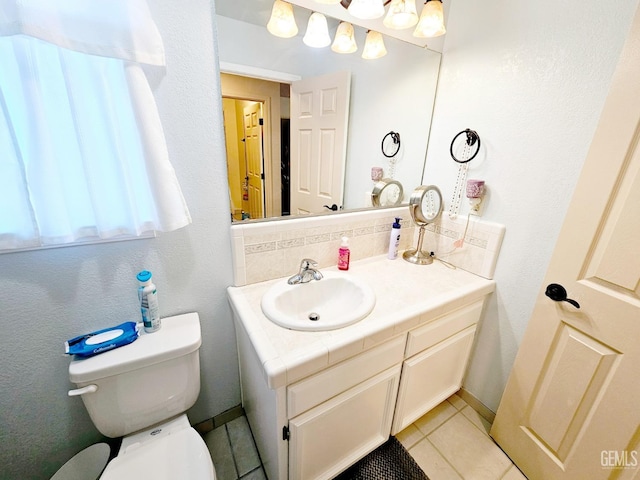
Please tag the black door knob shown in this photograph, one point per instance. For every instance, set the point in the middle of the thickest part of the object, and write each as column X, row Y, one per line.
column 333, row 207
column 558, row 293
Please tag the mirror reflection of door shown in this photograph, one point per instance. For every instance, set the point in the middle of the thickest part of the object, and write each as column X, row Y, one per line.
column 239, row 92
column 319, row 124
column 243, row 139
column 325, row 175
column 252, row 124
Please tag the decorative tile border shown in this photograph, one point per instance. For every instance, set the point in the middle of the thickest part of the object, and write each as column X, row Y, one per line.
column 267, row 250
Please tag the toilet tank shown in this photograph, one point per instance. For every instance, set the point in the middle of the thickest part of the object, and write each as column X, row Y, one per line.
column 146, row 382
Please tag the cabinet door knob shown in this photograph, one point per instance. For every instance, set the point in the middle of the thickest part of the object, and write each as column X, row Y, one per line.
column 558, row 293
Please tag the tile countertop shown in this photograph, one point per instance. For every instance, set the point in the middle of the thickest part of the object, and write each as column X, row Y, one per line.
column 407, row 295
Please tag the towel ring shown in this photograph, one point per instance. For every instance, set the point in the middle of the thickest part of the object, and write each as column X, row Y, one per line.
column 472, row 139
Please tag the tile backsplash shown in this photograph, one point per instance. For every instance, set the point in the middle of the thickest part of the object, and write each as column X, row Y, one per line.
column 268, row 250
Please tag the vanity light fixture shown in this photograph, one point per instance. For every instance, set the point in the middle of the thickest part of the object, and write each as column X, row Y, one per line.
column 328, row 2
column 431, row 23
column 401, row 14
column 366, row 9
column 317, row 35
column 373, row 46
column 282, row 23
column 345, row 40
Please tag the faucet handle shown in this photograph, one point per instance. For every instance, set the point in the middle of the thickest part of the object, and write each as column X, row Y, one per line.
column 307, row 262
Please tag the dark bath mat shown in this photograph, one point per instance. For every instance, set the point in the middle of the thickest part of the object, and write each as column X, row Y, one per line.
column 390, row 461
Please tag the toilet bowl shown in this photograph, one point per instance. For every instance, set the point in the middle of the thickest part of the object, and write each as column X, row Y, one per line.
column 141, row 392
column 169, row 451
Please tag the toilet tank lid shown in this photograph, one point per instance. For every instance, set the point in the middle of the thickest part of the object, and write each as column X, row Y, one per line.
column 179, row 335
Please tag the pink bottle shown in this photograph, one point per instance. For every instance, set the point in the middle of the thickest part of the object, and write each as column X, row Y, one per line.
column 343, row 254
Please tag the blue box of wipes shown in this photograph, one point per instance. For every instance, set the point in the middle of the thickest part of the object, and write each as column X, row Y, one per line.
column 101, row 341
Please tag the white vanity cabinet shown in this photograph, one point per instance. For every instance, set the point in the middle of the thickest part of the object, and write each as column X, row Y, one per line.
column 437, row 355
column 339, row 415
column 319, row 401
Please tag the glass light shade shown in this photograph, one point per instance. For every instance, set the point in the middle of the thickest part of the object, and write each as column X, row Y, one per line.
column 282, row 24
column 345, row 40
column 431, row 22
column 366, row 9
column 401, row 14
column 317, row 35
column 374, row 46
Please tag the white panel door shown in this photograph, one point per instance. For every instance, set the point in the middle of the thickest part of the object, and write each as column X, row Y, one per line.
column 332, row 436
column 571, row 408
column 255, row 158
column 319, row 123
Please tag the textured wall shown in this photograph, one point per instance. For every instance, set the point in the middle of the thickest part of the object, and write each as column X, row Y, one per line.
column 531, row 79
column 48, row 296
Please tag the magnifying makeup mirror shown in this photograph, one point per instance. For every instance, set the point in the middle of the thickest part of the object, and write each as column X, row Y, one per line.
column 425, row 206
column 387, row 193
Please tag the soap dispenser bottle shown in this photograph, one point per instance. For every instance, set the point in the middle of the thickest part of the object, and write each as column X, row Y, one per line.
column 343, row 254
column 394, row 240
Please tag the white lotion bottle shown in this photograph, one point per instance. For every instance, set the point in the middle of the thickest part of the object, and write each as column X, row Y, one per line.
column 148, row 297
column 394, row 240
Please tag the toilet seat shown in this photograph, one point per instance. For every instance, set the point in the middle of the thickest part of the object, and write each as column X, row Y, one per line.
column 182, row 454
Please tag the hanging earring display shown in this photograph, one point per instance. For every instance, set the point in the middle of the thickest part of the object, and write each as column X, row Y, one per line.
column 464, row 148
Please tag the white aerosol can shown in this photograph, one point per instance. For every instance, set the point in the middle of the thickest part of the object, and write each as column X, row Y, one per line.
column 148, row 297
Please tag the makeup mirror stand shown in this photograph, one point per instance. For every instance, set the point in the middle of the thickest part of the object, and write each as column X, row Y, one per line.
column 425, row 206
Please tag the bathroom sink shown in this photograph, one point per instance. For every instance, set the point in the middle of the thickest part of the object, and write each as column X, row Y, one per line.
column 335, row 301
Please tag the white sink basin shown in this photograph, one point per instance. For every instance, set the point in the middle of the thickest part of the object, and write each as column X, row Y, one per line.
column 334, row 302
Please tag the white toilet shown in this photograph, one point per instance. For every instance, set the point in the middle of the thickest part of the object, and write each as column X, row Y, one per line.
column 141, row 392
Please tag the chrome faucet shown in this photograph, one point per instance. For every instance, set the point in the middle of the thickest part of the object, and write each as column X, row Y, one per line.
column 306, row 273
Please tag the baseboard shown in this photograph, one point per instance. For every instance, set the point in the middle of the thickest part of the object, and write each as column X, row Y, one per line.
column 484, row 411
column 218, row 420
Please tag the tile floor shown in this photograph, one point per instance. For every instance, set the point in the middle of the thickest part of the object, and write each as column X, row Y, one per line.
column 449, row 442
column 452, row 442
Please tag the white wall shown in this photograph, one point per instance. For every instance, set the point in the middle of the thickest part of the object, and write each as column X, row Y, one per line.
column 531, row 79
column 49, row 296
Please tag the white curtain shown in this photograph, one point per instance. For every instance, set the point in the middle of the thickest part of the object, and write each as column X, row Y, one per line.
column 82, row 151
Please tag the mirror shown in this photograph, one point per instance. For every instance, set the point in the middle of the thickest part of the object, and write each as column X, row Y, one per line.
column 425, row 206
column 387, row 193
column 394, row 93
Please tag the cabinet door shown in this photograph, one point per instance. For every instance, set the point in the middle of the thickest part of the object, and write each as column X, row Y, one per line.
column 332, row 436
column 430, row 377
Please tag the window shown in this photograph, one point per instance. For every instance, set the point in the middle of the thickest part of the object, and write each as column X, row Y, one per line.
column 83, row 154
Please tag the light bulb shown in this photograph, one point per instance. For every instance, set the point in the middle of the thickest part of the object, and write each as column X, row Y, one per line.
column 345, row 41
column 366, row 9
column 431, row 22
column 317, row 35
column 401, row 14
column 374, row 46
column 282, row 23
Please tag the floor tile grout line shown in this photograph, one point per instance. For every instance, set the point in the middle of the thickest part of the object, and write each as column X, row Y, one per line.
column 446, row 459
column 228, row 439
column 486, row 434
column 259, row 467
column 459, row 412
column 233, row 455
